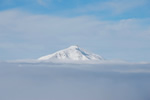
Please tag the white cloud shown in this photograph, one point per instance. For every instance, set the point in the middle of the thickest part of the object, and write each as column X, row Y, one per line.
column 54, row 33
column 44, row 3
column 47, row 3
column 41, row 2
column 74, row 82
column 115, row 6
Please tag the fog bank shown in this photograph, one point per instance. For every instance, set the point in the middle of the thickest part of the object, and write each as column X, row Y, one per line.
column 39, row 81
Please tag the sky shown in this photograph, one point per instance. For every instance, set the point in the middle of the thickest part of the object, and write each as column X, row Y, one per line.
column 114, row 29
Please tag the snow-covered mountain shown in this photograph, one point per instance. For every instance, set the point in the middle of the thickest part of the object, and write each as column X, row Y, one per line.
column 73, row 53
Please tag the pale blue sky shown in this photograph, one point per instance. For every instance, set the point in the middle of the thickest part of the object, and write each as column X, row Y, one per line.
column 114, row 29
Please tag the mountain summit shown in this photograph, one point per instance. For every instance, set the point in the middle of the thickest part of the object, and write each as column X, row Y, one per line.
column 73, row 53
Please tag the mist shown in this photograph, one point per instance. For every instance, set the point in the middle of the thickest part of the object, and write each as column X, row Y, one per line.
column 49, row 81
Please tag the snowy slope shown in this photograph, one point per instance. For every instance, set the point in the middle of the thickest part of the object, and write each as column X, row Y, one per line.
column 73, row 53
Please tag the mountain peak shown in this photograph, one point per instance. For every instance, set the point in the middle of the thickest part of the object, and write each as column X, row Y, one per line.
column 74, row 47
column 72, row 53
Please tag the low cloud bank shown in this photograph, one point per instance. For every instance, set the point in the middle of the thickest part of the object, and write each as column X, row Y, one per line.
column 50, row 81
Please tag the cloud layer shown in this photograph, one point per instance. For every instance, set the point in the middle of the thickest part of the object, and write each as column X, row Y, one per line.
column 74, row 82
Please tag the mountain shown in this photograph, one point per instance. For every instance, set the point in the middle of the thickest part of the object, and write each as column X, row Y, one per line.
column 73, row 53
